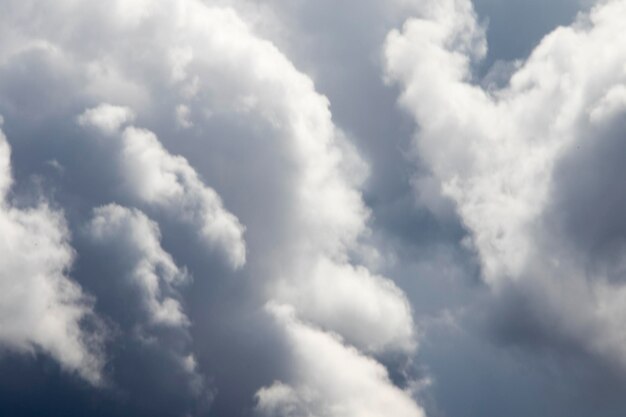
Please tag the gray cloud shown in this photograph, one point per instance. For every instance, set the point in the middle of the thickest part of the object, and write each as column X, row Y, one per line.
column 245, row 212
column 153, row 177
column 514, row 161
column 41, row 307
column 204, row 87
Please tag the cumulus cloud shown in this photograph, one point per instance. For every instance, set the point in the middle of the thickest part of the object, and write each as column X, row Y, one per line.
column 369, row 310
column 153, row 270
column 106, row 117
column 149, row 277
column 516, row 160
column 153, row 176
column 41, row 308
column 225, row 107
column 186, row 138
column 333, row 379
column 324, row 217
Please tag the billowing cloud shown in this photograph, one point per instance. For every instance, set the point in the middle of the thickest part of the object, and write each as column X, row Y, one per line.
column 154, row 177
column 517, row 162
column 41, row 308
column 175, row 119
column 146, row 275
column 152, row 269
column 369, row 310
column 216, row 207
column 333, row 379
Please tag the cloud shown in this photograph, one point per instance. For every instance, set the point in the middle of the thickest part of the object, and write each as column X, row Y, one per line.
column 152, row 269
column 257, row 148
column 106, row 117
column 333, row 379
column 369, row 310
column 41, row 308
column 219, row 105
column 517, row 161
column 147, row 274
column 154, row 177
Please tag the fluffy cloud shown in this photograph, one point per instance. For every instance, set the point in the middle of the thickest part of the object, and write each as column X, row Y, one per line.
column 154, row 177
column 152, row 269
column 334, row 380
column 369, row 310
column 41, row 308
column 173, row 139
column 517, row 160
column 239, row 115
column 146, row 274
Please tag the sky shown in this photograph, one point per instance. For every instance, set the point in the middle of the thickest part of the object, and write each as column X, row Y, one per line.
column 290, row 208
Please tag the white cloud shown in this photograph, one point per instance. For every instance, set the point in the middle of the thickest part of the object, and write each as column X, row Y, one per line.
column 333, row 380
column 612, row 104
column 368, row 310
column 107, row 117
column 41, row 309
column 207, row 60
column 154, row 177
column 499, row 154
column 6, row 178
column 153, row 278
column 217, row 64
column 325, row 217
column 153, row 270
column 164, row 62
